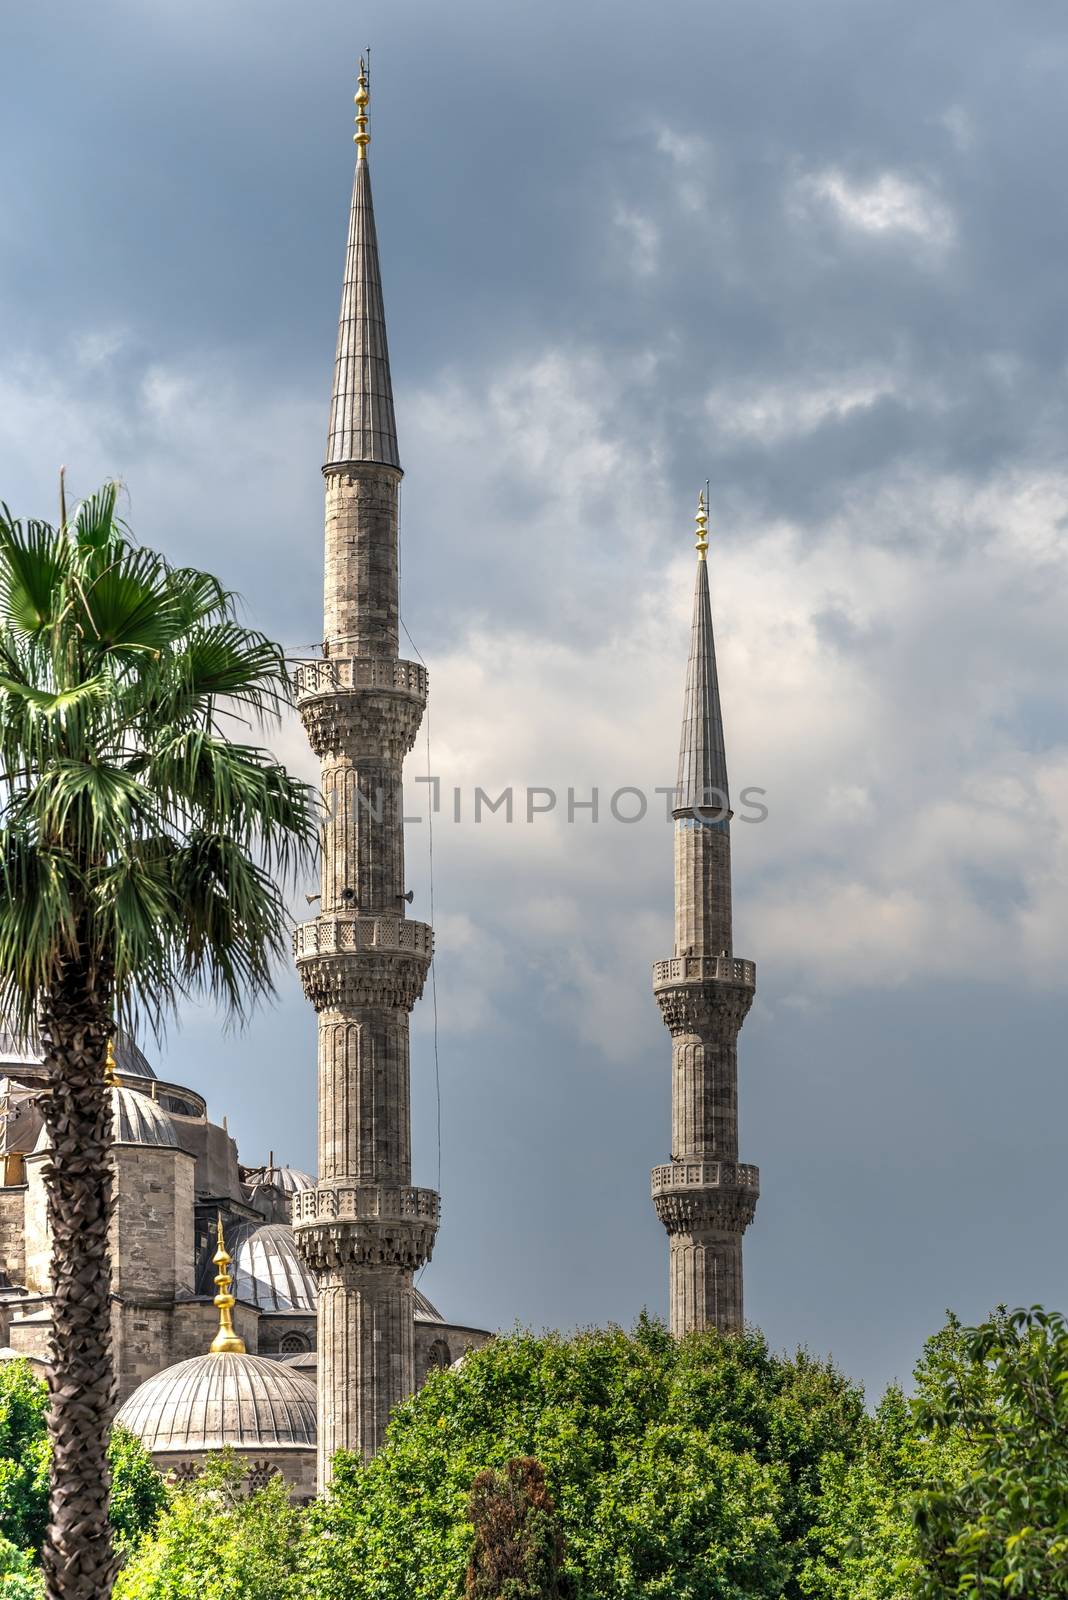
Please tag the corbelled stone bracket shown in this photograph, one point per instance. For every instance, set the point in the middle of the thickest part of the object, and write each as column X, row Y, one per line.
column 696, row 1195
column 365, row 1225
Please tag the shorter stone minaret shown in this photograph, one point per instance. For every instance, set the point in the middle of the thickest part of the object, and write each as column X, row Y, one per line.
column 705, row 1197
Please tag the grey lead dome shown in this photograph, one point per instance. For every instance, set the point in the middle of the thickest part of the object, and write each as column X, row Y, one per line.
column 212, row 1401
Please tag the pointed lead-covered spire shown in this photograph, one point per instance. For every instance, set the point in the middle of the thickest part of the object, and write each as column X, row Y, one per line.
column 702, row 779
column 362, row 424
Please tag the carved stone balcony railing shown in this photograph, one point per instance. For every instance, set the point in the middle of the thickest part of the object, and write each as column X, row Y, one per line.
column 329, row 936
column 336, row 674
column 366, row 1202
column 695, row 969
column 705, row 1175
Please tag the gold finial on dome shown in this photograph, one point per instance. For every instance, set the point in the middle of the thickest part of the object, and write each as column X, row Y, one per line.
column 361, row 137
column 226, row 1342
column 702, row 527
column 111, row 1077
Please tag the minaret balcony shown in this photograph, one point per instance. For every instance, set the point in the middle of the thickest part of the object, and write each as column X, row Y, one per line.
column 366, row 1202
column 353, row 704
column 335, row 935
column 356, row 1225
column 705, row 1175
column 340, row 674
column 349, row 962
column 704, row 969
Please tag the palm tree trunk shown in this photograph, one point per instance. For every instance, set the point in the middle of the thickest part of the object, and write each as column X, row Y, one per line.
column 75, row 1024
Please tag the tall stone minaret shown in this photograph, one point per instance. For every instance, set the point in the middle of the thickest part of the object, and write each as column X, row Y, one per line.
column 705, row 1198
column 363, row 1230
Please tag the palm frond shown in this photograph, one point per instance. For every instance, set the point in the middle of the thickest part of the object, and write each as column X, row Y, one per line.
column 130, row 604
column 54, row 702
column 94, row 522
column 132, row 831
column 39, row 891
column 34, row 562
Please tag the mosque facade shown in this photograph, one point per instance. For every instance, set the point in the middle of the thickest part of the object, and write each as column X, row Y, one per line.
column 177, row 1178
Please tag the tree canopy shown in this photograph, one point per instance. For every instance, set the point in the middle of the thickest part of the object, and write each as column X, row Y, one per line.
column 614, row 1466
column 679, row 1470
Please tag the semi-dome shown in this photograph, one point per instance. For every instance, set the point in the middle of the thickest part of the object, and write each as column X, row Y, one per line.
column 214, row 1401
column 269, row 1272
column 424, row 1311
column 135, row 1119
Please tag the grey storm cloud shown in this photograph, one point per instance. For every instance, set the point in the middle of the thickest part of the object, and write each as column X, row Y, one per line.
column 813, row 253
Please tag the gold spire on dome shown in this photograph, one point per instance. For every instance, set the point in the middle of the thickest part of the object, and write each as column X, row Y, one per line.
column 361, row 137
column 226, row 1342
column 111, row 1077
column 702, row 527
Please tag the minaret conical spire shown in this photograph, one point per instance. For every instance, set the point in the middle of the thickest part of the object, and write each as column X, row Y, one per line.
column 362, row 423
column 702, row 777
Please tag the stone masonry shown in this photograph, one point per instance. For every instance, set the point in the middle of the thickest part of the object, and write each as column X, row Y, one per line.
column 705, row 1196
column 363, row 1230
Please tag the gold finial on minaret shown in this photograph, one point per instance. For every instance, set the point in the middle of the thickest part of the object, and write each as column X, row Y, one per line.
column 226, row 1342
column 702, row 527
column 361, row 137
column 111, row 1077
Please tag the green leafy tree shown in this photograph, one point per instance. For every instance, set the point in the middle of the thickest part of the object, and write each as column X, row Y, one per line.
column 1000, row 1526
column 215, row 1543
column 138, row 1493
column 680, row 1470
column 24, row 1455
column 865, row 1544
column 19, row 1578
column 139, row 851
column 518, row 1552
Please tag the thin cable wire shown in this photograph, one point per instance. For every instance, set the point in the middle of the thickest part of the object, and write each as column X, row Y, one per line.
column 430, row 841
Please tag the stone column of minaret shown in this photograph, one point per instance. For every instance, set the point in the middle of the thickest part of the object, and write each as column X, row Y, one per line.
column 705, row 1198
column 364, row 1230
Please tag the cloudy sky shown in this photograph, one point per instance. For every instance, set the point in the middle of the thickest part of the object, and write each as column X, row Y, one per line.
column 813, row 253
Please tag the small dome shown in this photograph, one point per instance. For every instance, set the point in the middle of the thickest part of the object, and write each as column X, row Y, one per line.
column 213, row 1401
column 135, row 1119
column 289, row 1179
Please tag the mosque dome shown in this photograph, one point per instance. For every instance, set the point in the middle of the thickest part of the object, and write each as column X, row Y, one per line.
column 225, row 1398
column 135, row 1119
column 16, row 1050
column 212, row 1401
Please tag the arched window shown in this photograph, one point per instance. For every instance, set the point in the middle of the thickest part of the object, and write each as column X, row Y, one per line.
column 438, row 1355
column 293, row 1344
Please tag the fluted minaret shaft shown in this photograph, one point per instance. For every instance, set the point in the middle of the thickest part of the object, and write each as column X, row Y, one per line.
column 705, row 1197
column 363, row 1230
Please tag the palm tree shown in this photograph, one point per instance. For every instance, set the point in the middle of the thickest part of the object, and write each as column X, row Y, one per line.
column 141, row 850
